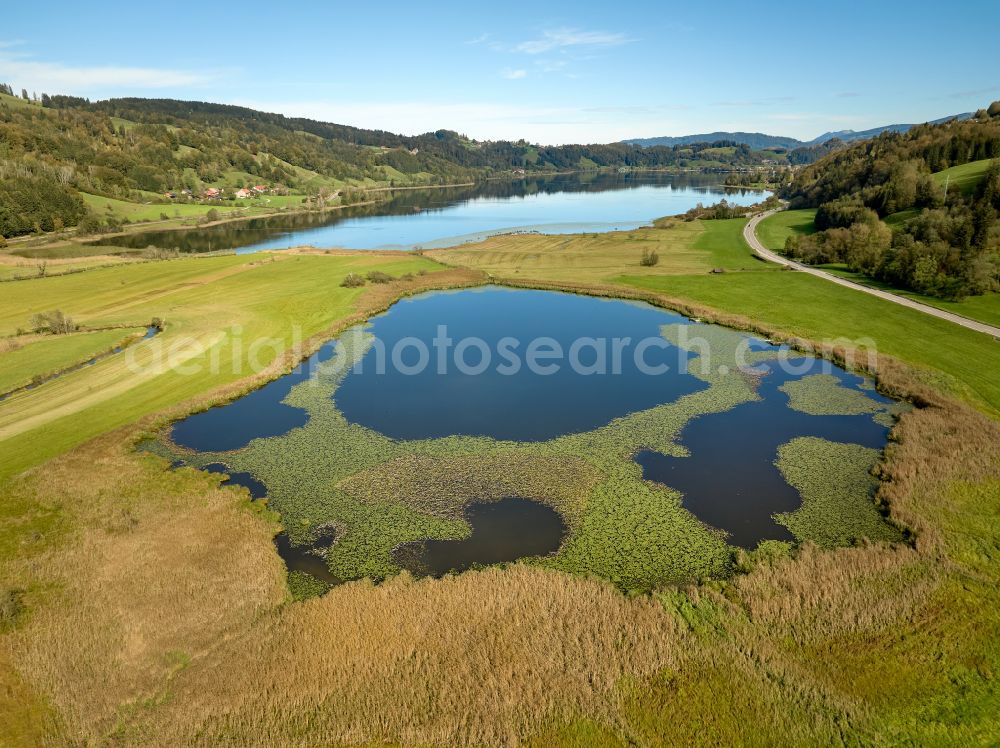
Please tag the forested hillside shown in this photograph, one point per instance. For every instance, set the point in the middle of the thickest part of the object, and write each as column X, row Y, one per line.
column 897, row 209
column 54, row 149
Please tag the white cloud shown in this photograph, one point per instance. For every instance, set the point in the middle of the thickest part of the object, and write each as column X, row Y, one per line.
column 513, row 75
column 54, row 77
column 567, row 38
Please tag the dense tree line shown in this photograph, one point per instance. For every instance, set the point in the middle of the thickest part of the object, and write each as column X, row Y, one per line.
column 809, row 154
column 946, row 243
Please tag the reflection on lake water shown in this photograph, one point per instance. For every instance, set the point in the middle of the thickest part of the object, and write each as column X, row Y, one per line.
column 407, row 219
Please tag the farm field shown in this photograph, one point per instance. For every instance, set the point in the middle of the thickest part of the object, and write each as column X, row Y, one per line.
column 21, row 267
column 31, row 356
column 204, row 302
column 683, row 247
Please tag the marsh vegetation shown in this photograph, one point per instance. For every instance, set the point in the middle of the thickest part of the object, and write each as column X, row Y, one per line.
column 397, row 459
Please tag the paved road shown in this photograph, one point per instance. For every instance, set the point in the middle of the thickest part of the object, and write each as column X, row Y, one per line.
column 750, row 234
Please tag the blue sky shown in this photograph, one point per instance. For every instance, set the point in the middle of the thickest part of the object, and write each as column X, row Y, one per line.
column 548, row 72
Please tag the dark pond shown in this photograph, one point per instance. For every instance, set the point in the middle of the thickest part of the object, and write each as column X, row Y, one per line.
column 406, row 219
column 256, row 488
column 730, row 480
column 502, row 531
column 307, row 558
column 456, row 394
column 256, row 415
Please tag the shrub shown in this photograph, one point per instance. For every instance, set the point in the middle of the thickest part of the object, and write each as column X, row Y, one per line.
column 3, row 242
column 212, row 215
column 377, row 276
column 157, row 253
column 90, row 224
column 352, row 280
column 54, row 322
column 649, row 258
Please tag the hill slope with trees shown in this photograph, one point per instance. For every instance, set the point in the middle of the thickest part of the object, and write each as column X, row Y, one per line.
column 53, row 149
column 881, row 210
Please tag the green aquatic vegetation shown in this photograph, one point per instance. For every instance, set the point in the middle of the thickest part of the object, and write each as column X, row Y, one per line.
column 441, row 486
column 838, row 490
column 380, row 493
column 302, row 586
column 824, row 395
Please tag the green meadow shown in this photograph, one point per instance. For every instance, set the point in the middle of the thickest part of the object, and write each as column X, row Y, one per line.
column 965, row 177
column 774, row 230
column 205, row 303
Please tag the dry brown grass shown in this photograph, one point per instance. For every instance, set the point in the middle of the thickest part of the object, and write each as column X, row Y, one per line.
column 144, row 570
column 416, row 662
column 10, row 344
column 165, row 602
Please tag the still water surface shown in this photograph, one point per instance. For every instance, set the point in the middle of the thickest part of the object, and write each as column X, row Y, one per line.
column 428, row 218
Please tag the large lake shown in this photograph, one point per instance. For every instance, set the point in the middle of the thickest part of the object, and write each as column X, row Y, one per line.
column 428, row 218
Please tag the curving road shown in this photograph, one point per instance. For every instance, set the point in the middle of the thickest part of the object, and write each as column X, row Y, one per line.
column 750, row 234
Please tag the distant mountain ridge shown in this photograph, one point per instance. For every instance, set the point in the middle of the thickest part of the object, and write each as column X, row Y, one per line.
column 756, row 140
column 759, row 140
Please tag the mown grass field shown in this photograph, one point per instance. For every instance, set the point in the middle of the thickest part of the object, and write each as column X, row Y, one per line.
column 23, row 358
column 683, row 247
column 138, row 603
column 16, row 266
column 774, row 230
column 203, row 301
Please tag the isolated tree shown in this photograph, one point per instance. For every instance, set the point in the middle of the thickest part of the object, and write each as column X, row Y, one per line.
column 24, row 94
column 55, row 322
